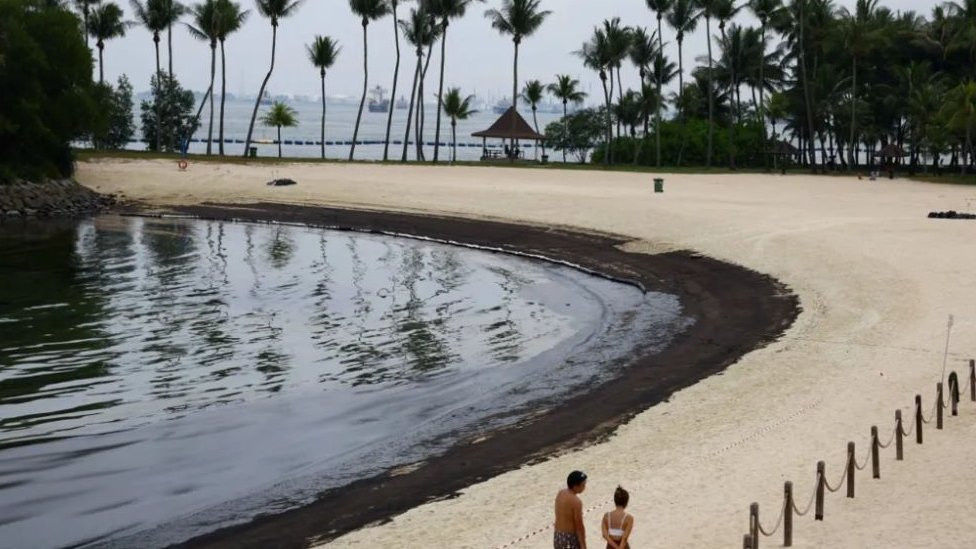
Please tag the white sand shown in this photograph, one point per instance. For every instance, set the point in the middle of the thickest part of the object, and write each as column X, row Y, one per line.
column 876, row 280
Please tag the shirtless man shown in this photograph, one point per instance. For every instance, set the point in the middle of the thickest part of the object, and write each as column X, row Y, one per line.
column 569, row 530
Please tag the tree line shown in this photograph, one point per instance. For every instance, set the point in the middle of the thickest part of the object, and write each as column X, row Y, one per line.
column 812, row 82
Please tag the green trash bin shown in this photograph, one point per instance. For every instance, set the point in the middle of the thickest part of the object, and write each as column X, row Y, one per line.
column 658, row 185
column 252, row 152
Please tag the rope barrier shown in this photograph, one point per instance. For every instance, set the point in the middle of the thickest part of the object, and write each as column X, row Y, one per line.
column 890, row 440
column 867, row 456
column 779, row 522
column 840, row 484
column 809, row 503
column 911, row 429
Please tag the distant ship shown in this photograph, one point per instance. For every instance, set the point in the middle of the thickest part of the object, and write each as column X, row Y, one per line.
column 402, row 104
column 378, row 101
column 502, row 106
column 266, row 98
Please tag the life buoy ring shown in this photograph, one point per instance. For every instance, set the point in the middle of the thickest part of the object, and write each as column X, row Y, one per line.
column 182, row 164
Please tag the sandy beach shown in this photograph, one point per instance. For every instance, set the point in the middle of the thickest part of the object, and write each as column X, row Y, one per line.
column 876, row 282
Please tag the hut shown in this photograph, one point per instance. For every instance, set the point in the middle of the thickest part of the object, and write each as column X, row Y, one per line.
column 785, row 150
column 511, row 127
column 890, row 154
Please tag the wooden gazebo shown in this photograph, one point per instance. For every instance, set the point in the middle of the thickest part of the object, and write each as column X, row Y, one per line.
column 510, row 126
column 890, row 154
column 787, row 151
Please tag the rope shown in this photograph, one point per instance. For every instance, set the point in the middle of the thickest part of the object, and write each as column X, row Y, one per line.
column 809, row 503
column 779, row 522
column 840, row 484
column 867, row 456
column 890, row 440
column 911, row 428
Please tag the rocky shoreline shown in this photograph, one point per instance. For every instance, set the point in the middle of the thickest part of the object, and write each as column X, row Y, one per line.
column 55, row 198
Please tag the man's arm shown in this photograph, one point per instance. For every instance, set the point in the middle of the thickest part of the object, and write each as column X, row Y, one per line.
column 578, row 519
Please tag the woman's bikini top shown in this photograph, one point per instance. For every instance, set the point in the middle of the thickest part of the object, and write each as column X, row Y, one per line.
column 616, row 533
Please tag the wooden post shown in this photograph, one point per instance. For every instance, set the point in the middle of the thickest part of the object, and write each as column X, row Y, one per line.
column 938, row 405
column 954, row 393
column 788, row 515
column 972, row 380
column 875, row 458
column 747, row 542
column 899, row 433
column 918, row 419
column 851, row 465
column 821, row 479
column 754, row 524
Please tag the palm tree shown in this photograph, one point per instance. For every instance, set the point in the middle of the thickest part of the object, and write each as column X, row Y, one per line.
column 566, row 89
column 206, row 17
column 643, row 50
column 279, row 116
column 420, row 32
column 456, row 109
column 660, row 8
column 858, row 37
column 366, row 10
column 520, row 19
column 446, row 10
column 683, row 18
column 618, row 42
column 85, row 6
column 764, row 10
column 597, row 55
column 171, row 11
column 106, row 23
column 959, row 111
column 323, row 54
column 273, row 10
column 396, row 76
column 532, row 94
column 724, row 11
column 151, row 15
column 231, row 19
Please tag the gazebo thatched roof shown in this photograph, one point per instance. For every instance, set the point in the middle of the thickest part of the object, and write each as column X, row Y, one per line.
column 891, row 151
column 510, row 125
column 782, row 148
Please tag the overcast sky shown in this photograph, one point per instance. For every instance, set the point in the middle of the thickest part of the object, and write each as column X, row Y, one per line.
column 479, row 60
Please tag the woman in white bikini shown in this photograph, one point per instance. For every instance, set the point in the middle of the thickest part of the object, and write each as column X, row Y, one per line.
column 618, row 524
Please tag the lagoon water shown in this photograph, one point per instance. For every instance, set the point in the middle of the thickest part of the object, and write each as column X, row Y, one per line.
column 161, row 378
column 340, row 123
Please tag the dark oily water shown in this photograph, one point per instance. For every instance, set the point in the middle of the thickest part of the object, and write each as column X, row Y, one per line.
column 163, row 378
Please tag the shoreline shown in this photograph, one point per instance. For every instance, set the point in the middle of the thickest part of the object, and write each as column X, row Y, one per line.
column 736, row 311
column 875, row 277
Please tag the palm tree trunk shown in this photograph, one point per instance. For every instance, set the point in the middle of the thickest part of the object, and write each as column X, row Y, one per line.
column 84, row 16
column 413, row 95
column 101, row 62
column 606, row 98
column 279, row 141
column 322, row 75
column 213, row 70
column 440, row 93
column 515, row 94
column 159, row 120
column 711, row 92
column 223, row 96
column 806, row 88
column 853, row 104
column 762, row 84
column 169, row 44
column 565, row 114
column 257, row 102
column 362, row 101
column 620, row 94
column 732, row 104
column 657, row 117
column 535, row 121
column 421, row 112
column 396, row 76
column 681, row 97
column 454, row 138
